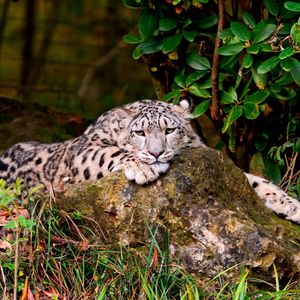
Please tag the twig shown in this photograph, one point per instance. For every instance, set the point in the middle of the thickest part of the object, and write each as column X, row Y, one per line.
column 4, row 283
column 289, row 175
column 16, row 260
column 216, row 112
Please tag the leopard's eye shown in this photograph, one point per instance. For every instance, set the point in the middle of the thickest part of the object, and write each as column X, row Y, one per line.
column 140, row 132
column 170, row 130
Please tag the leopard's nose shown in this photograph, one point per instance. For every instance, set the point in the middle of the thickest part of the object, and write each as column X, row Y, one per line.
column 156, row 154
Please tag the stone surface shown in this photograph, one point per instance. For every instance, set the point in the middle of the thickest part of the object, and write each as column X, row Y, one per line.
column 212, row 215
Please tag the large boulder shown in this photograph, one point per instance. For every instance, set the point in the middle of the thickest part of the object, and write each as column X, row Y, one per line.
column 213, row 217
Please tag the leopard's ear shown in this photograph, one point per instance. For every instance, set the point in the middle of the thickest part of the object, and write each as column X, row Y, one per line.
column 184, row 108
column 124, row 116
column 185, row 105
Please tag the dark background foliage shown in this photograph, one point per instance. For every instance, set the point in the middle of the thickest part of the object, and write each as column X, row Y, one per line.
column 69, row 55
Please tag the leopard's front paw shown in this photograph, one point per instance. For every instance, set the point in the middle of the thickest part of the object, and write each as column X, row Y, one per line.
column 143, row 173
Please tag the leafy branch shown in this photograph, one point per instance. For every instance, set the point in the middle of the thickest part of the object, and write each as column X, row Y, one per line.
column 241, row 67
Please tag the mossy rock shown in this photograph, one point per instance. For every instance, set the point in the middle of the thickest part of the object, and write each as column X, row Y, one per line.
column 213, row 217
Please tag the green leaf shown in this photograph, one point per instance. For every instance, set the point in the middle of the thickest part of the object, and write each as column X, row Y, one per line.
column 272, row 171
column 295, row 34
column 238, row 78
column 297, row 145
column 251, row 110
column 240, row 31
column 22, row 221
column 171, row 43
column 195, row 76
column 257, row 97
column 132, row 38
column 231, row 49
column 132, row 3
column 201, row 108
column 272, row 6
column 189, row 35
column 148, row 22
column 180, row 80
column 292, row 6
column 265, row 48
column 231, row 143
column 253, row 49
column 295, row 70
column 196, row 90
column 150, row 46
column 288, row 51
column 246, row 87
column 249, row 19
column 261, row 142
column 167, row 24
column 257, row 165
column 226, row 34
column 228, row 97
column 9, row 266
column 247, row 60
column 171, row 95
column 206, row 21
column 285, row 93
column 233, row 115
column 11, row 224
column 176, row 99
column 286, row 64
column 5, row 199
column 197, row 62
column 262, row 31
column 187, row 22
column 284, row 79
column 229, row 62
column 29, row 224
column 137, row 53
column 268, row 65
column 205, row 84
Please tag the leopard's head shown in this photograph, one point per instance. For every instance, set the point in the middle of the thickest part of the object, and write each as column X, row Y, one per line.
column 155, row 131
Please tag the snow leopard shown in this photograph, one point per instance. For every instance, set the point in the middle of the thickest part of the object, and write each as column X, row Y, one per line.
column 140, row 139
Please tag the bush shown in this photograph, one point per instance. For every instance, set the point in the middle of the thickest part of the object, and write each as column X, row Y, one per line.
column 239, row 61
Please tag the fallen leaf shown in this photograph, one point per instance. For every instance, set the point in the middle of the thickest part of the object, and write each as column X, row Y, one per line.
column 5, row 245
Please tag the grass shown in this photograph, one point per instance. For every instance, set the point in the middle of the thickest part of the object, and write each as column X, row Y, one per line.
column 50, row 254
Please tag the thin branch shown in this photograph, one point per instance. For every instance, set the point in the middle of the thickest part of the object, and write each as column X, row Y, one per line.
column 216, row 111
column 16, row 259
column 290, row 174
column 4, row 288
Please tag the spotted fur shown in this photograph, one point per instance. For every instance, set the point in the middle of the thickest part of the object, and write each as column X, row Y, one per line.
column 275, row 198
column 140, row 139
